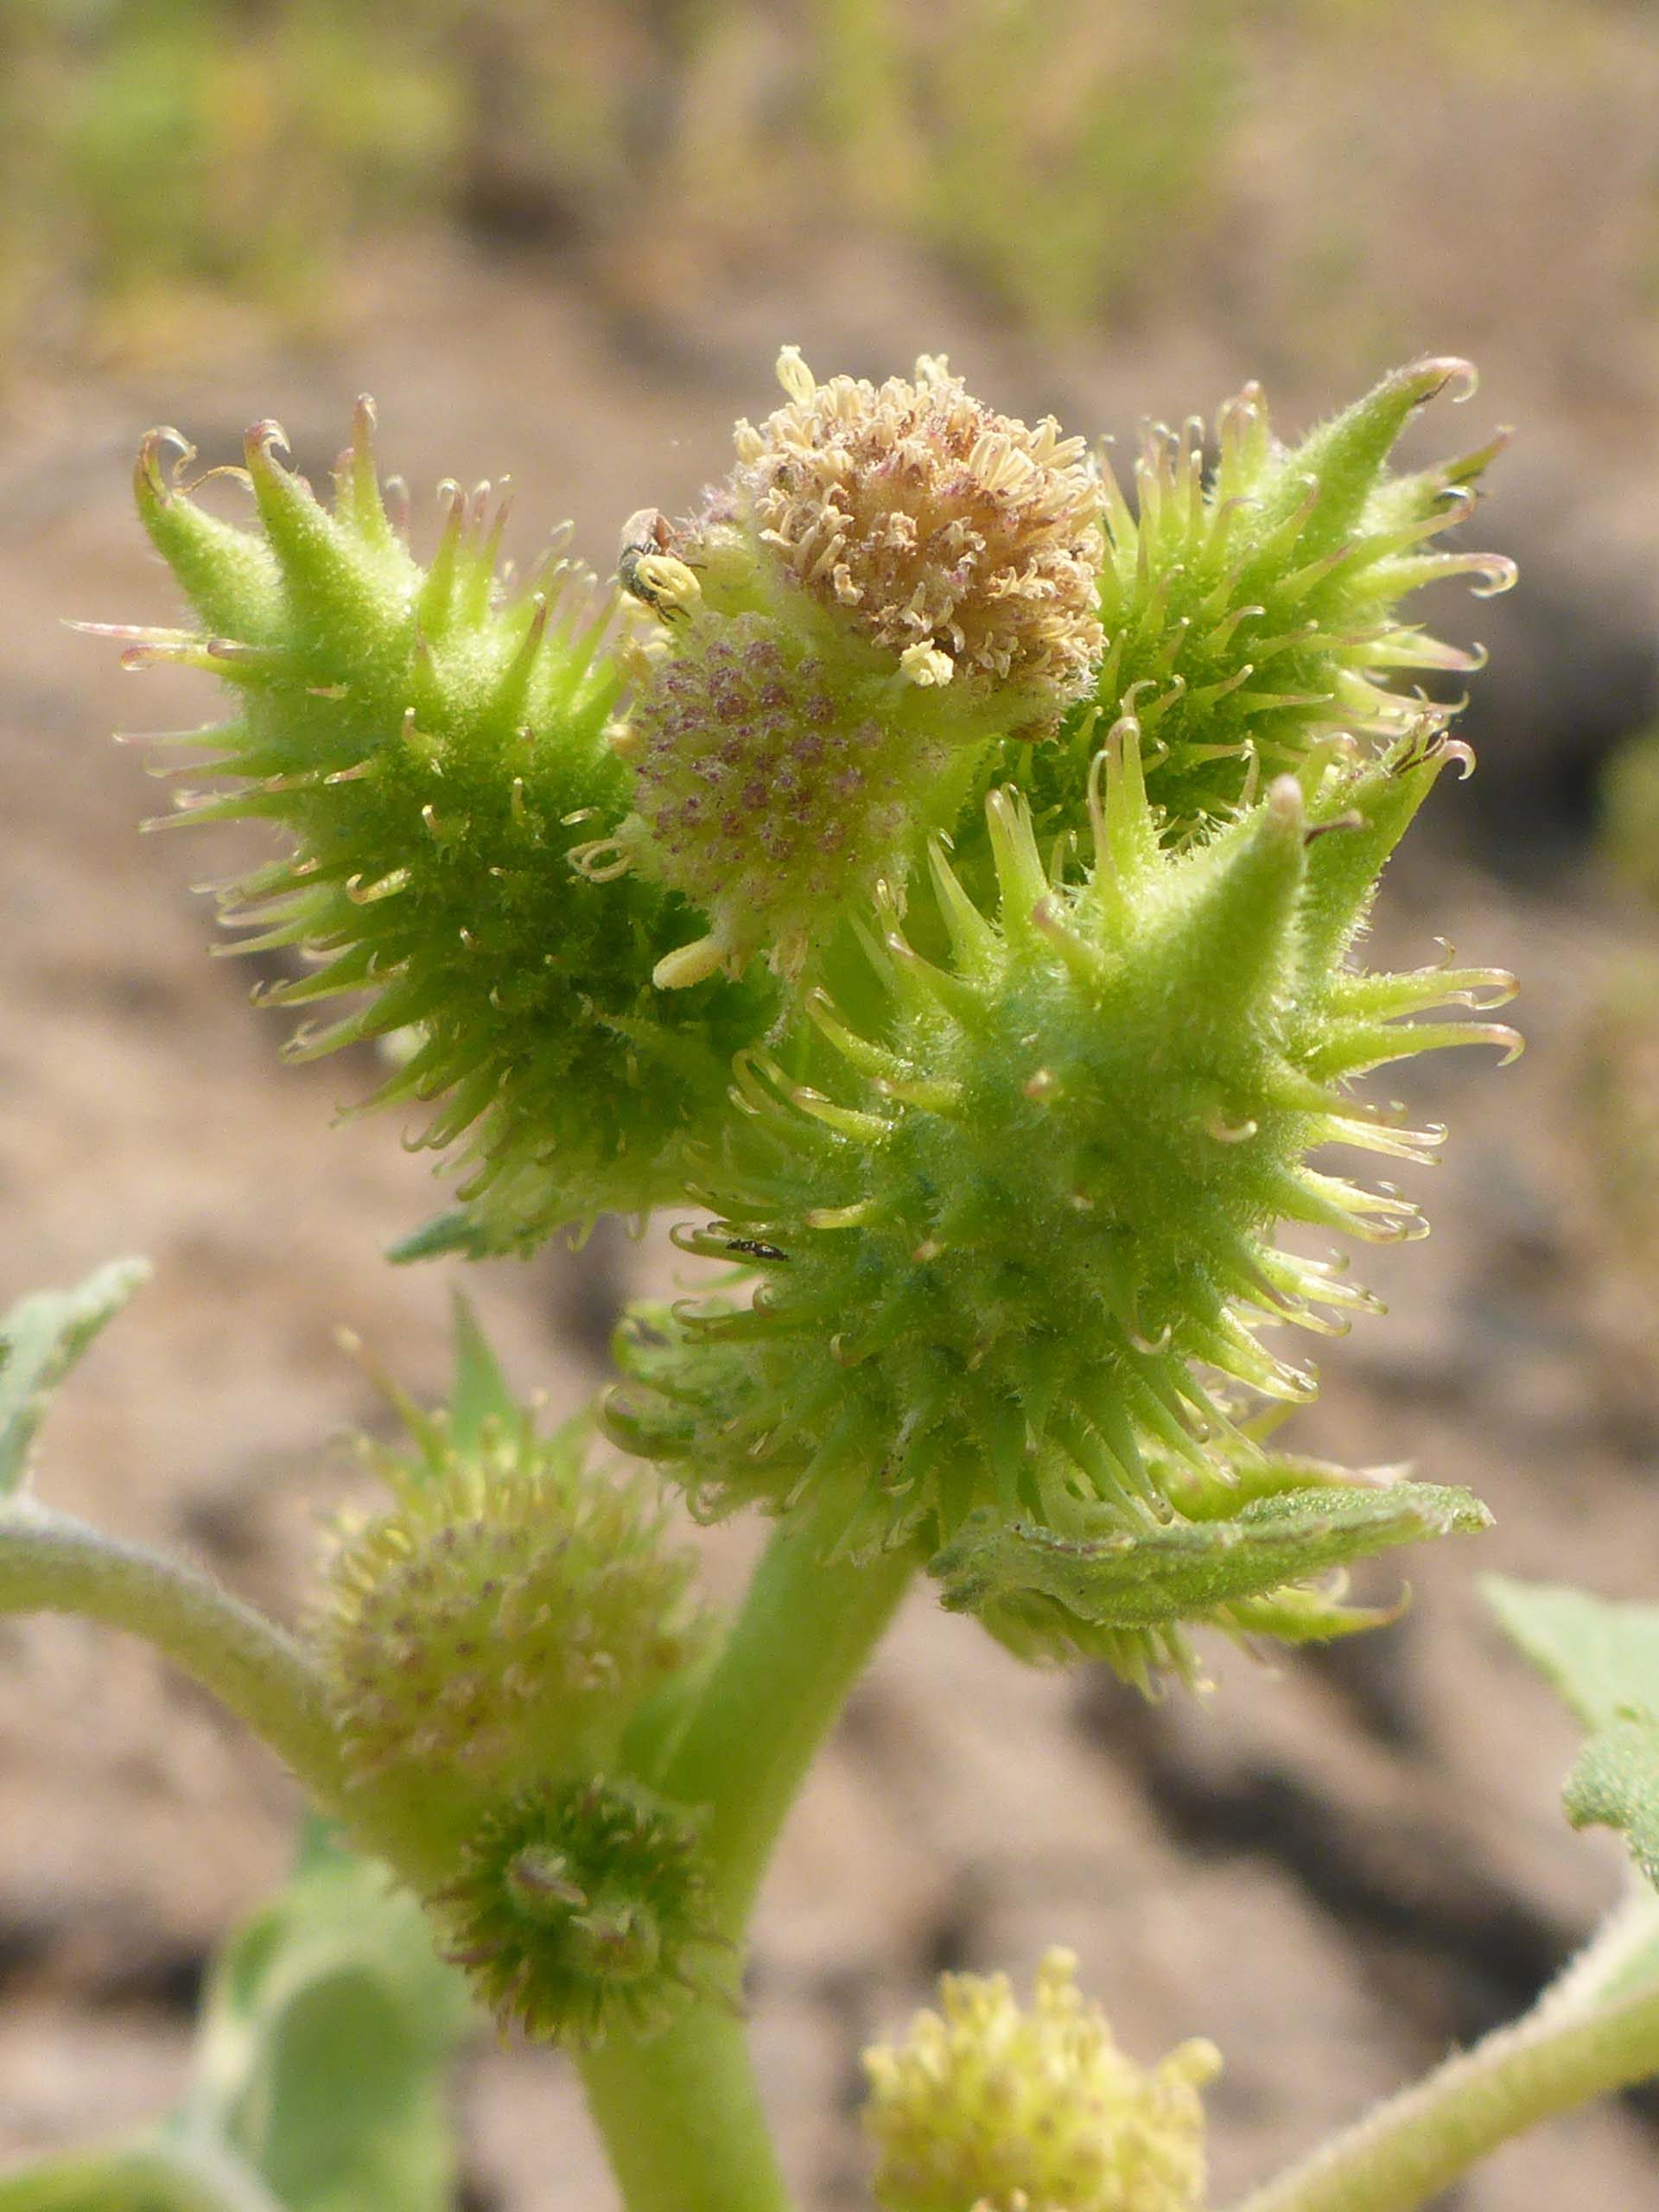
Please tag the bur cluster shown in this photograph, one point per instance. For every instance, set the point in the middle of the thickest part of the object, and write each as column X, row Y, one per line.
column 501, row 1637
column 944, row 876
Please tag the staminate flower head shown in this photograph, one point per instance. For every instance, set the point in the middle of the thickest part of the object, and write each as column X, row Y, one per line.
column 942, row 531
column 580, row 1910
column 502, row 1618
column 1014, row 1225
column 891, row 577
column 987, row 2106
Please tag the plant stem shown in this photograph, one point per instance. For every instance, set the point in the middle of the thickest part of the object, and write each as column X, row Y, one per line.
column 681, row 2115
column 50, row 1562
column 682, row 2121
column 794, row 1652
column 1418, row 2143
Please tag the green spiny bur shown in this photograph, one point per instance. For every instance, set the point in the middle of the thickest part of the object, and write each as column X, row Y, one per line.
column 504, row 1615
column 1015, row 1255
column 1251, row 613
column 432, row 747
column 579, row 1911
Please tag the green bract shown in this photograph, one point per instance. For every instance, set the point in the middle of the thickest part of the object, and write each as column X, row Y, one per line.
column 432, row 745
column 1243, row 1556
column 1016, row 1255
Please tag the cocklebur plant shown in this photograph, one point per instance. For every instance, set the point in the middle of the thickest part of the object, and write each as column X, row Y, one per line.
column 945, row 885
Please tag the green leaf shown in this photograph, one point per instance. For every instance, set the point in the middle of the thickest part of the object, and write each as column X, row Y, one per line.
column 1603, row 1657
column 481, row 1392
column 326, row 2028
column 1616, row 1785
column 40, row 1339
column 453, row 1232
column 1188, row 1571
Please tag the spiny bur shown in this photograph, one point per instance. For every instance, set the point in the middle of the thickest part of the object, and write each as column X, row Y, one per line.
column 1037, row 2111
column 1250, row 598
column 890, row 577
column 428, row 744
column 579, row 1911
column 1015, row 1241
column 502, row 1617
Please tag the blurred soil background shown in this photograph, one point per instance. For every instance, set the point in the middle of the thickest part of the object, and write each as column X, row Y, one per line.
column 566, row 242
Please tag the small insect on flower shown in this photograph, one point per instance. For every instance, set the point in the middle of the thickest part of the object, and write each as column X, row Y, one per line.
column 650, row 570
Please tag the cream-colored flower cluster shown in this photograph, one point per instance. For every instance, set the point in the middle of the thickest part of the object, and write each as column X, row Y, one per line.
column 1038, row 2111
column 962, row 541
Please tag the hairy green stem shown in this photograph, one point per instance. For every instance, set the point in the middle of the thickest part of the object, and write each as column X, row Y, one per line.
column 50, row 1562
column 1417, row 2143
column 802, row 1641
column 681, row 2115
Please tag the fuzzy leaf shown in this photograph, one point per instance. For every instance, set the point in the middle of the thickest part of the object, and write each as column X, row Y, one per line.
column 1603, row 1657
column 318, row 2085
column 328, row 2024
column 1615, row 1784
column 1188, row 1570
column 40, row 1339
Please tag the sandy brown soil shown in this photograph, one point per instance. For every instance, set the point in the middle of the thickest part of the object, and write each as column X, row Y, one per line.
column 1334, row 1867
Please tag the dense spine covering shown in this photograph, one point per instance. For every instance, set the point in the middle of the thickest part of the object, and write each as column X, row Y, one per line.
column 1250, row 598
column 1015, row 1260
column 579, row 1911
column 432, row 746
